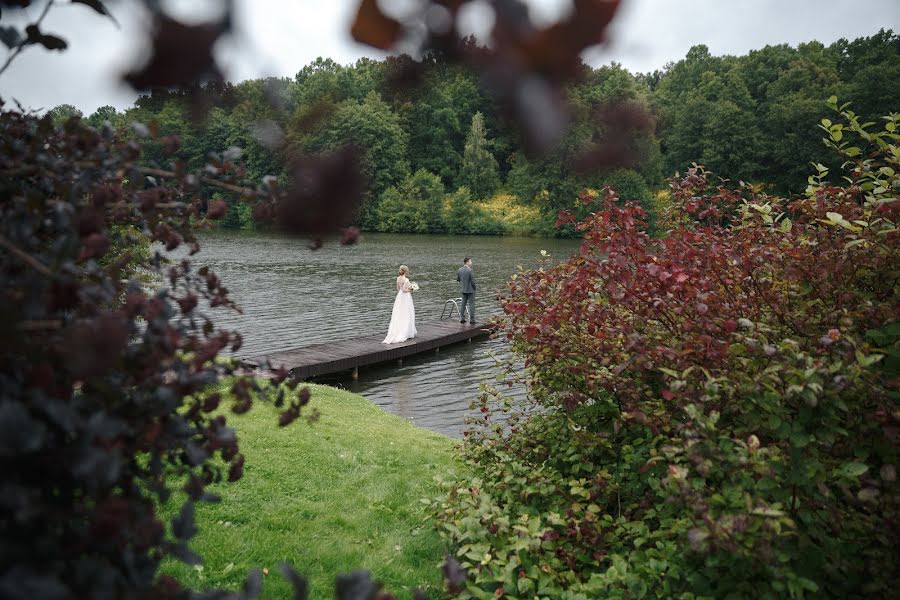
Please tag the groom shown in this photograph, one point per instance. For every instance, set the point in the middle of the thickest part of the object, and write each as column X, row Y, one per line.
column 466, row 278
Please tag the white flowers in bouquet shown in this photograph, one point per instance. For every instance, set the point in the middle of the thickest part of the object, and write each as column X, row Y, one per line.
column 413, row 286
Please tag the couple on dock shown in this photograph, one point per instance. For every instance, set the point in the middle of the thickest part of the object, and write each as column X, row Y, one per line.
column 403, row 316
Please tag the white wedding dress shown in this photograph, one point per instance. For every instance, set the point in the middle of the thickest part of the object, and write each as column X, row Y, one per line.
column 403, row 317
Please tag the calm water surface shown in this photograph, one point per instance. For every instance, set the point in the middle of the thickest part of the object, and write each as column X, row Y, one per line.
column 292, row 297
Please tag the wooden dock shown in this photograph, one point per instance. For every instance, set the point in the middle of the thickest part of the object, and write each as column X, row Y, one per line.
column 349, row 355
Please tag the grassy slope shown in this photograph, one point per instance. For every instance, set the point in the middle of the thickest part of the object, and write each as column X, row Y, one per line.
column 341, row 494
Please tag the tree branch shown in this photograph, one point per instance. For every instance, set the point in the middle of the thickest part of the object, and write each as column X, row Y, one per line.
column 243, row 191
column 25, row 257
column 25, row 43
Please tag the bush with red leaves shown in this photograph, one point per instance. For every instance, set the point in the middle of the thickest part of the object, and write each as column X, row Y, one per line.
column 719, row 409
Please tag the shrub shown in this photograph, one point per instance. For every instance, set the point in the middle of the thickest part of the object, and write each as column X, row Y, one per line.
column 101, row 412
column 239, row 214
column 504, row 212
column 460, row 211
column 415, row 206
column 717, row 409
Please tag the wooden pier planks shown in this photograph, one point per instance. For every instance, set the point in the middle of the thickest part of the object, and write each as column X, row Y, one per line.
column 346, row 355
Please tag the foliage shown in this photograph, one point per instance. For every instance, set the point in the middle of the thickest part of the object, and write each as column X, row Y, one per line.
column 239, row 214
column 63, row 112
column 99, row 411
column 436, row 117
column 747, row 118
column 751, row 117
column 511, row 217
column 461, row 211
column 102, row 411
column 416, row 206
column 479, row 167
column 130, row 242
column 104, row 405
column 628, row 185
column 372, row 126
column 716, row 410
column 101, row 116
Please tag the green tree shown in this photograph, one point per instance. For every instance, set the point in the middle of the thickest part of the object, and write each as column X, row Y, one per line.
column 375, row 128
column 462, row 212
column 365, row 76
column 319, row 80
column 63, row 112
column 870, row 67
column 392, row 214
column 103, row 115
column 436, row 119
column 255, row 110
column 795, row 104
column 415, row 206
column 713, row 123
column 479, row 167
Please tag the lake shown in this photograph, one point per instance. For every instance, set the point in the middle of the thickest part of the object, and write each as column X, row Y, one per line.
column 292, row 296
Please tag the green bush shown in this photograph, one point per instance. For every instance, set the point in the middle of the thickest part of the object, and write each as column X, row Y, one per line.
column 461, row 211
column 416, row 206
column 239, row 214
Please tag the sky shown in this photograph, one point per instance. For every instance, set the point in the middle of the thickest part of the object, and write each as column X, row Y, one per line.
column 278, row 37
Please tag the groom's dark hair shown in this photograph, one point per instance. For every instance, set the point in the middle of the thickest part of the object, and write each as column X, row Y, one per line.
column 466, row 259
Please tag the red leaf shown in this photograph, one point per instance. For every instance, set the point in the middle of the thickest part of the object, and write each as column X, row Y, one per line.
column 373, row 27
column 217, row 209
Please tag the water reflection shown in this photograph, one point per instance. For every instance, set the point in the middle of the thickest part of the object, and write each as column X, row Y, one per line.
column 292, row 297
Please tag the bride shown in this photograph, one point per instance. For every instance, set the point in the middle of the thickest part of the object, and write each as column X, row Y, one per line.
column 403, row 317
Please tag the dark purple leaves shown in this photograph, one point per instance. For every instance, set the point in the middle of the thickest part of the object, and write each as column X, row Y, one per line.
column 326, row 191
column 48, row 41
column 183, row 526
column 621, row 124
column 303, row 396
column 357, row 585
column 217, row 209
column 236, row 470
column 93, row 348
column 19, row 432
column 98, row 6
column 298, row 583
column 253, row 584
column 95, row 246
column 20, row 583
column 350, row 236
column 10, row 36
column 181, row 55
column 288, row 416
column 454, row 575
column 99, row 373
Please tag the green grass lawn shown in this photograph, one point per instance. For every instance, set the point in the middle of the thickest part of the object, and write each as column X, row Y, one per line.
column 341, row 494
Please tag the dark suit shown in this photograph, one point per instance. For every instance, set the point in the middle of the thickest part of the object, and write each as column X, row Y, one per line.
column 466, row 278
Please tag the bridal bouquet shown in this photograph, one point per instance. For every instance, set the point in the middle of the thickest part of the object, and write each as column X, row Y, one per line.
column 413, row 286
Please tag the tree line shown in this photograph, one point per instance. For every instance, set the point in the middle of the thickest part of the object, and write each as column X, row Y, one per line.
column 437, row 154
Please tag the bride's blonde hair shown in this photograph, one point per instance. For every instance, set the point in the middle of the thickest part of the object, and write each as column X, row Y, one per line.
column 404, row 269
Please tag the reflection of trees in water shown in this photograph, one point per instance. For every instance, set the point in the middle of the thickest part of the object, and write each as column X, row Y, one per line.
column 404, row 397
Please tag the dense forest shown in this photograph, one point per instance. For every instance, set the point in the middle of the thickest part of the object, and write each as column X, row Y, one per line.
column 441, row 158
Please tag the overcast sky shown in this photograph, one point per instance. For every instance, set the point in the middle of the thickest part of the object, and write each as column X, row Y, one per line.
column 278, row 37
